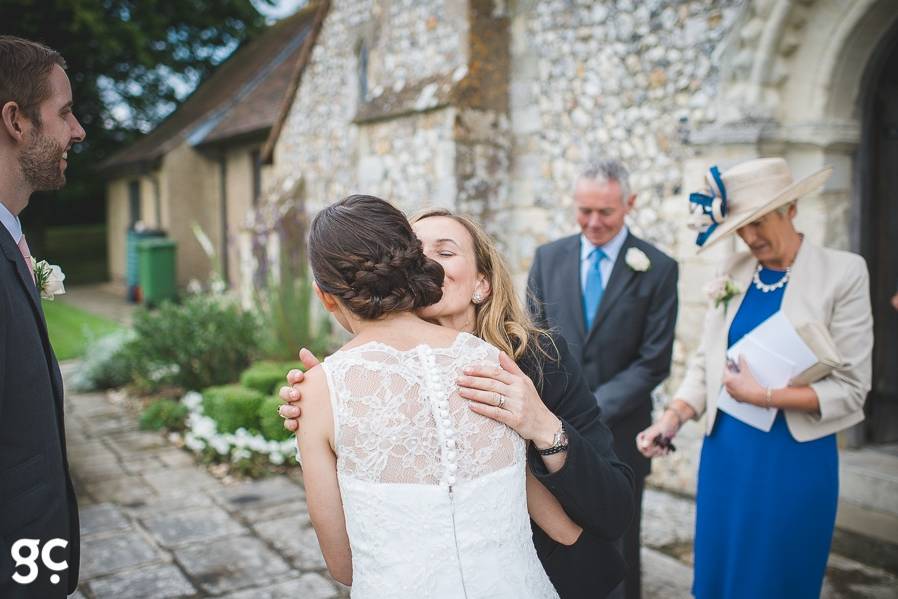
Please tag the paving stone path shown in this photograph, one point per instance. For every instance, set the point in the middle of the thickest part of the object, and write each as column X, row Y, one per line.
column 156, row 525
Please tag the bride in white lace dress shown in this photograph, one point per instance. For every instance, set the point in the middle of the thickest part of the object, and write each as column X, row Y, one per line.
column 412, row 494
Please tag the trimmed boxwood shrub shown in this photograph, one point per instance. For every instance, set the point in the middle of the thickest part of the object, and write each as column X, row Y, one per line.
column 164, row 414
column 267, row 377
column 233, row 407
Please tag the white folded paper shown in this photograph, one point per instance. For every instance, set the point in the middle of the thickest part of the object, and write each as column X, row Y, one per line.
column 775, row 353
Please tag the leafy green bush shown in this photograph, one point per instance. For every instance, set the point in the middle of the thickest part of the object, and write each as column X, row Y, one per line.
column 106, row 364
column 271, row 425
column 164, row 414
column 233, row 407
column 204, row 341
column 267, row 377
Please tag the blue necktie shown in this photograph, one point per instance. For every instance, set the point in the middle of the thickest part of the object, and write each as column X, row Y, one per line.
column 592, row 294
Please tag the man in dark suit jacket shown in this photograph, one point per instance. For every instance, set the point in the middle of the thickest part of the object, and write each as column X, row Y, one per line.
column 613, row 297
column 37, row 501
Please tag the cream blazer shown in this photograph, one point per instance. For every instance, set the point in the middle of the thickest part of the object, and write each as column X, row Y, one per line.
column 828, row 286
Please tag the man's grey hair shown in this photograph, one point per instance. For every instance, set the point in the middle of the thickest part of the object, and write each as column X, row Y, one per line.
column 606, row 170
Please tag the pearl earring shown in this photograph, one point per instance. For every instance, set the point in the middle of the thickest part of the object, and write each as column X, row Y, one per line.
column 477, row 299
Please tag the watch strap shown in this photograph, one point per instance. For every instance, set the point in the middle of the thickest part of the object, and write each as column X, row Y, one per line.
column 559, row 443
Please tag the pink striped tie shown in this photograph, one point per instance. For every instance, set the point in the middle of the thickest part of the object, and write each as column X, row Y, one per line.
column 26, row 253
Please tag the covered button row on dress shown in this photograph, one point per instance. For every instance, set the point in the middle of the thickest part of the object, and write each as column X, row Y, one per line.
column 449, row 454
column 441, row 414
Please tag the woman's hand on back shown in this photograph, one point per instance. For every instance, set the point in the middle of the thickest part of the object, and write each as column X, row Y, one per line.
column 291, row 395
column 506, row 394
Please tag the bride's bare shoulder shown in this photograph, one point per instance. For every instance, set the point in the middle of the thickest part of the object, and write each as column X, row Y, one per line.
column 314, row 388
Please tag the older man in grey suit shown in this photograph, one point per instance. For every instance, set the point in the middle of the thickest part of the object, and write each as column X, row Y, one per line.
column 613, row 297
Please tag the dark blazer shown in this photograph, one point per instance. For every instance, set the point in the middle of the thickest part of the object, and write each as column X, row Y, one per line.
column 627, row 352
column 594, row 486
column 37, row 500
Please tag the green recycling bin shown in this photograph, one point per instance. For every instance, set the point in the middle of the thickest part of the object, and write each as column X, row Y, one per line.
column 157, row 270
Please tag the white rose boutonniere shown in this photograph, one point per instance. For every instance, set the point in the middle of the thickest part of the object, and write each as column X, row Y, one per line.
column 48, row 278
column 721, row 290
column 637, row 260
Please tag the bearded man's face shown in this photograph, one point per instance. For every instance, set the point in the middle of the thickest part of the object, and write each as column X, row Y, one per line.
column 44, row 157
column 43, row 162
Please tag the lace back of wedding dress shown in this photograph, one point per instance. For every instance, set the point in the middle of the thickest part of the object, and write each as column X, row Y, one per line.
column 399, row 418
column 433, row 494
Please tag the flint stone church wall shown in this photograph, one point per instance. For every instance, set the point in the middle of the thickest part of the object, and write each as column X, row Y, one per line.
column 492, row 107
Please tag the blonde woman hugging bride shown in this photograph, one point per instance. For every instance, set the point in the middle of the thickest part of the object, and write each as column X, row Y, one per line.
column 412, row 492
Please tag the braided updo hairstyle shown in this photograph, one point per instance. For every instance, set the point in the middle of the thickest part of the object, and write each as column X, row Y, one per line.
column 363, row 252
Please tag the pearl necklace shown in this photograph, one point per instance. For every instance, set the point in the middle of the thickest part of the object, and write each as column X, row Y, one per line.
column 769, row 288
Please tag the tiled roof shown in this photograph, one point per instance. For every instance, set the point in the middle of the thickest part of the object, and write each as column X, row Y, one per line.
column 241, row 98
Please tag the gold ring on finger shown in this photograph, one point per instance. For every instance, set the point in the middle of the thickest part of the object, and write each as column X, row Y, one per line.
column 500, row 401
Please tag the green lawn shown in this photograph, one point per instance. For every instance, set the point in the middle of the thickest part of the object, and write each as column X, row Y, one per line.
column 71, row 329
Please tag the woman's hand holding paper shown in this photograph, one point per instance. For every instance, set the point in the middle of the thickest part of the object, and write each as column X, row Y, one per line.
column 743, row 386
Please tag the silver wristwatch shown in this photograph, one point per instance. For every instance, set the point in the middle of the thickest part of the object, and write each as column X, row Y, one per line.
column 559, row 443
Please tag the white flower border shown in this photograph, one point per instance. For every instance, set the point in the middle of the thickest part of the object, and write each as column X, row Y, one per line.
column 202, row 432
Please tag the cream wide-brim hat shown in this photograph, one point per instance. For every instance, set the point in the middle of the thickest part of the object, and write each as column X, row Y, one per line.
column 756, row 188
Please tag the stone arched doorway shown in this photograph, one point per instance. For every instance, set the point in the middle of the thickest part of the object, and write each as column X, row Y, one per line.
column 877, row 181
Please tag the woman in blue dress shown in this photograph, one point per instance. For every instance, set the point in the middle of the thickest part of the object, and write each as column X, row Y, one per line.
column 766, row 500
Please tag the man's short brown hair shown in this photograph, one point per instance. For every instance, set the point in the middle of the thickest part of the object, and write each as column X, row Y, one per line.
column 24, row 70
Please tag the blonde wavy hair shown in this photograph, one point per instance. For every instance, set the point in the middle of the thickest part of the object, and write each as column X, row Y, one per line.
column 501, row 319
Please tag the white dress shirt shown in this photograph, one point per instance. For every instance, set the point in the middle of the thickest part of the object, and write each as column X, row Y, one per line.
column 611, row 249
column 11, row 222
